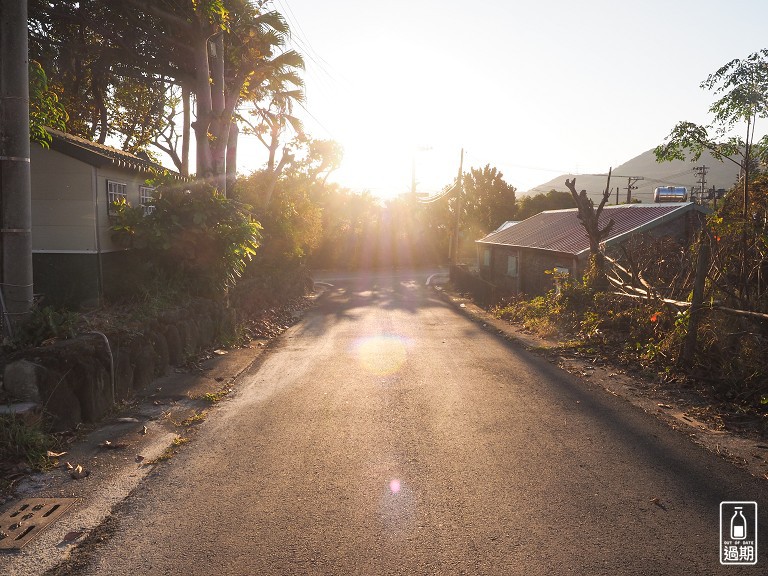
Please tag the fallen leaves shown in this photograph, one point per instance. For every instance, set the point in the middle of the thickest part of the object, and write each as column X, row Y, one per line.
column 78, row 472
column 113, row 445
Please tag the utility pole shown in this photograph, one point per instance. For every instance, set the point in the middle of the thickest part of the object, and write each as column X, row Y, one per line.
column 15, row 180
column 631, row 180
column 701, row 173
column 413, row 166
column 454, row 256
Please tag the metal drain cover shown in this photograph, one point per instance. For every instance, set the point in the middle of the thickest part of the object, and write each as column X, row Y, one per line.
column 24, row 520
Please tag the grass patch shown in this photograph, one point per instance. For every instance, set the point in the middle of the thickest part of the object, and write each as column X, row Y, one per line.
column 20, row 442
column 172, row 450
column 214, row 397
column 196, row 418
column 179, row 441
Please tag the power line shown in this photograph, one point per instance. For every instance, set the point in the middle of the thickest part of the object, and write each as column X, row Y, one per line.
column 439, row 196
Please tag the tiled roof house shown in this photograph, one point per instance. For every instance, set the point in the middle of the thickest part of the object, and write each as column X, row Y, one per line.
column 75, row 260
column 516, row 258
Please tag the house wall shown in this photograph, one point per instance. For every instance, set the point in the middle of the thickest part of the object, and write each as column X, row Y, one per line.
column 69, row 280
column 534, row 264
column 531, row 278
column 133, row 180
column 63, row 218
column 69, row 202
column 74, row 257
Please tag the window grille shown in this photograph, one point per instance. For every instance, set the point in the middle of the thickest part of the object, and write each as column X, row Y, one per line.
column 116, row 192
column 146, row 195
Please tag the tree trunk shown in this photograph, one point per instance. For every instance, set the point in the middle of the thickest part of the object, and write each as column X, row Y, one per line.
column 185, row 129
column 15, row 182
column 590, row 219
column 202, row 124
column 702, row 262
column 234, row 132
column 219, row 124
column 274, row 176
column 743, row 274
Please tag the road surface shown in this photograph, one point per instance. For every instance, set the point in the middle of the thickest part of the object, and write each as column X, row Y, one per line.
column 387, row 434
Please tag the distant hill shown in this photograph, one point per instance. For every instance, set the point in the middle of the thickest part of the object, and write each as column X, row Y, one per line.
column 677, row 173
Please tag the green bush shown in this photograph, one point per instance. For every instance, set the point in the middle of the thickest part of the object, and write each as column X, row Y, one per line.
column 194, row 238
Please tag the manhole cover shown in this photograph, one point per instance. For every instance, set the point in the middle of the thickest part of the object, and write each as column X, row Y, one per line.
column 26, row 519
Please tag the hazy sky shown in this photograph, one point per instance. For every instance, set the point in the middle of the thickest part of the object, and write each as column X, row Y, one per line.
column 535, row 88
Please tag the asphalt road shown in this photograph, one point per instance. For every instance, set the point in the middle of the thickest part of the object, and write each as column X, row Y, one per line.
column 388, row 434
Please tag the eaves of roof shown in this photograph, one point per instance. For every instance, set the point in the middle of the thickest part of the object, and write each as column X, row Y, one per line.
column 100, row 155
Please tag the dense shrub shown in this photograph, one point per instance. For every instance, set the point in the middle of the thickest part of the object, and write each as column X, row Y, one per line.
column 194, row 238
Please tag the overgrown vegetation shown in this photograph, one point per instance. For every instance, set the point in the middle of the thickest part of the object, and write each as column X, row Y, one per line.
column 194, row 237
column 45, row 323
column 698, row 313
column 20, row 442
column 649, row 334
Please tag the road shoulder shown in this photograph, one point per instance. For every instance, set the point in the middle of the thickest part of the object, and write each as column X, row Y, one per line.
column 678, row 408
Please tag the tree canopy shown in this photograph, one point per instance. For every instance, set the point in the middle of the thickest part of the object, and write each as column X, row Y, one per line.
column 741, row 88
column 119, row 67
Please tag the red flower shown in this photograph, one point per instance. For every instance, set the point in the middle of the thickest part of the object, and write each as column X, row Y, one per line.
column 655, row 316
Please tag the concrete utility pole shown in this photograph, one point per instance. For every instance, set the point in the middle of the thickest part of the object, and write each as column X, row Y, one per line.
column 15, row 180
column 413, row 166
column 454, row 258
column 701, row 172
column 631, row 186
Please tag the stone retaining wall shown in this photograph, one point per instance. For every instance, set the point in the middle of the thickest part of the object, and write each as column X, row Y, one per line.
column 76, row 380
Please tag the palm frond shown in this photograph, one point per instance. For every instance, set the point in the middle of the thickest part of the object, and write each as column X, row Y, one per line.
column 295, row 123
column 288, row 59
column 273, row 20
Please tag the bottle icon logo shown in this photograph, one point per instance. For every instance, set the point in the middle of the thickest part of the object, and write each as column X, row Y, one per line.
column 738, row 524
column 738, row 533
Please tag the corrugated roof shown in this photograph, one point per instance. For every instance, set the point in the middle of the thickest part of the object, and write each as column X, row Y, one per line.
column 100, row 154
column 562, row 231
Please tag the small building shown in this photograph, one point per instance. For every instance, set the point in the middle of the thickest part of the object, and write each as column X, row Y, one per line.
column 74, row 182
column 516, row 259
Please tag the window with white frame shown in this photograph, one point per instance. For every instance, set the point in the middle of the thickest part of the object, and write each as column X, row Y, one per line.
column 146, row 195
column 116, row 192
column 486, row 257
column 511, row 265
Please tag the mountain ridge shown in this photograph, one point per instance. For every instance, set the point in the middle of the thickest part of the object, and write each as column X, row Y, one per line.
column 720, row 174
